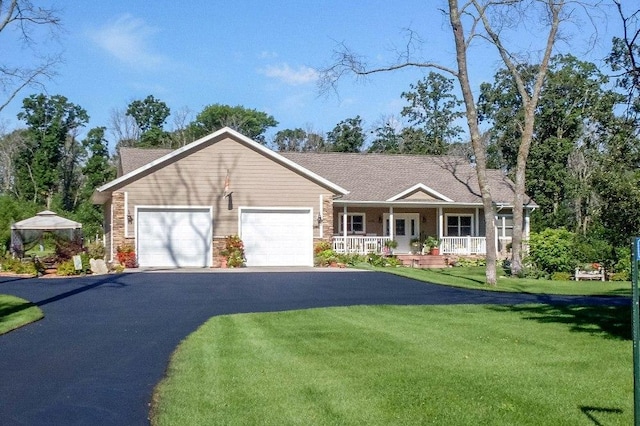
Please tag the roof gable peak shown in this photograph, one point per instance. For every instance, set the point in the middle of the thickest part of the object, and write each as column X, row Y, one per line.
column 420, row 187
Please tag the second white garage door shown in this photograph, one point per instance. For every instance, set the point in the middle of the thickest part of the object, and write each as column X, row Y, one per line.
column 174, row 237
column 277, row 237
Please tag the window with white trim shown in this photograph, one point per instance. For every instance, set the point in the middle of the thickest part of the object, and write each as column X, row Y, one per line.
column 504, row 223
column 459, row 225
column 355, row 223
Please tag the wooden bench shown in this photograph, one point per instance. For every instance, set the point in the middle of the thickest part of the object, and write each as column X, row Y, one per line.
column 589, row 275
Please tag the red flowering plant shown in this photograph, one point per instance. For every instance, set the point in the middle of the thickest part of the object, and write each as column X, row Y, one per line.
column 233, row 251
column 126, row 256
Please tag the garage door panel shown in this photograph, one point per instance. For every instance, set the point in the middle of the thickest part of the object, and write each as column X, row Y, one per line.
column 174, row 237
column 278, row 237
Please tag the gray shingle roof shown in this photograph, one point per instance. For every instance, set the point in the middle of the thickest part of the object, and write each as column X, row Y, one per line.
column 377, row 177
column 134, row 158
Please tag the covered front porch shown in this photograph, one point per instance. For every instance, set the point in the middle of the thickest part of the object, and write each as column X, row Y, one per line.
column 459, row 229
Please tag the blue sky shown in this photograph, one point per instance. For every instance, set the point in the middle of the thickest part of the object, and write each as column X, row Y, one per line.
column 261, row 55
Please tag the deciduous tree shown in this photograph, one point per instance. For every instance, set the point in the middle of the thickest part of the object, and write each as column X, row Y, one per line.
column 250, row 122
column 347, row 136
column 46, row 164
column 433, row 109
column 22, row 19
column 481, row 20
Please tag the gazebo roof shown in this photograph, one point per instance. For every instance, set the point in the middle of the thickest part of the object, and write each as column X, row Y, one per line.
column 47, row 221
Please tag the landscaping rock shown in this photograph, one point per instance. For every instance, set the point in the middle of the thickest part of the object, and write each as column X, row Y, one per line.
column 98, row 266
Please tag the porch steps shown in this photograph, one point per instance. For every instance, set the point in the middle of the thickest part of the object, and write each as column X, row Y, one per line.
column 422, row 260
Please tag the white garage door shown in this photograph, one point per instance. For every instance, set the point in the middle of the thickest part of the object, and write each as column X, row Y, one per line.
column 277, row 237
column 178, row 237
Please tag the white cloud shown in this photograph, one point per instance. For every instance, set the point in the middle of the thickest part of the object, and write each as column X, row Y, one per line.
column 267, row 54
column 127, row 39
column 288, row 75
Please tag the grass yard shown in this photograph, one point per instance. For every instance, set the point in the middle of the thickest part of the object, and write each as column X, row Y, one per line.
column 474, row 277
column 16, row 312
column 381, row 365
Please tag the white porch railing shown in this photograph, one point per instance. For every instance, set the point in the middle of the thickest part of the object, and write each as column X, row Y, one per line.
column 463, row 245
column 358, row 244
column 448, row 245
column 469, row 245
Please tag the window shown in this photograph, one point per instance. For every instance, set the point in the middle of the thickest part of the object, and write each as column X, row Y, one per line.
column 355, row 223
column 505, row 225
column 459, row 226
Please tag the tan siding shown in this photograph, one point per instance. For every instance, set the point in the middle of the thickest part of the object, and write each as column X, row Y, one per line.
column 419, row 196
column 198, row 180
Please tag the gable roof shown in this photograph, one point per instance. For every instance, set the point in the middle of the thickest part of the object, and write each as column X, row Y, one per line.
column 418, row 189
column 137, row 160
column 390, row 177
column 356, row 177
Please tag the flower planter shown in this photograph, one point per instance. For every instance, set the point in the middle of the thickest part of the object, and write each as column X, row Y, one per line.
column 434, row 251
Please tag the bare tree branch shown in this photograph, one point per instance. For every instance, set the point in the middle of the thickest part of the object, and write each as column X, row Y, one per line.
column 23, row 15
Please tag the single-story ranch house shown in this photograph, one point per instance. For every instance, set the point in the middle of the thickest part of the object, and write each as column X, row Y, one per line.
column 176, row 206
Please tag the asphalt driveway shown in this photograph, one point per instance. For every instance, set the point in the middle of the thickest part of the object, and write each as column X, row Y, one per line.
column 105, row 341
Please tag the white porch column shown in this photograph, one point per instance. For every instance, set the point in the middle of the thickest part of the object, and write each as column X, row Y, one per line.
column 440, row 229
column 392, row 227
column 344, row 226
column 527, row 224
column 477, row 223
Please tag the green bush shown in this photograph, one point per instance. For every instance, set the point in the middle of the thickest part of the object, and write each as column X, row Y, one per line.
column 66, row 268
column 95, row 250
column 326, row 258
column 552, row 250
column 322, row 246
column 622, row 268
column 382, row 261
column 350, row 259
column 561, row 276
column 18, row 266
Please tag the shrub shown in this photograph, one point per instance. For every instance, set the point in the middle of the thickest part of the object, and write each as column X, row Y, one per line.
column 561, row 276
column 233, row 251
column 65, row 249
column 552, row 250
column 95, row 250
column 350, row 259
column 66, row 268
column 126, row 255
column 382, row 261
column 18, row 266
column 321, row 246
column 325, row 258
column 622, row 268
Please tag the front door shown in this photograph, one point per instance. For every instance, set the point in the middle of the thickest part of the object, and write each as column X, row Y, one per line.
column 406, row 228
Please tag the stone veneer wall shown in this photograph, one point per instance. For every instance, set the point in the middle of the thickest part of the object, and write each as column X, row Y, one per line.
column 218, row 244
column 118, row 221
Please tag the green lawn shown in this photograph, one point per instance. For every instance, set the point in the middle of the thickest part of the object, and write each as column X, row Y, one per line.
column 458, row 365
column 16, row 312
column 474, row 277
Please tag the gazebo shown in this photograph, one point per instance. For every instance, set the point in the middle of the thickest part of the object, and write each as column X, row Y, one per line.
column 27, row 233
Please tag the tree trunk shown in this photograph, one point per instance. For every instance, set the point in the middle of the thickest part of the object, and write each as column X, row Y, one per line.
column 518, row 198
column 476, row 142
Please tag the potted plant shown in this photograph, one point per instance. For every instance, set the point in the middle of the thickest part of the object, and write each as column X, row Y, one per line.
column 416, row 245
column 432, row 245
column 389, row 245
